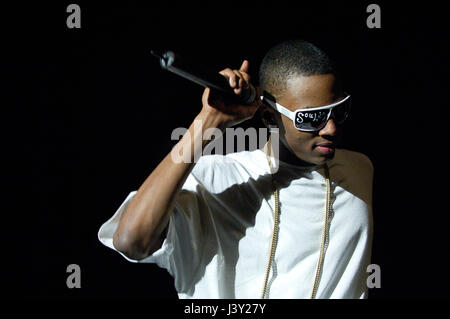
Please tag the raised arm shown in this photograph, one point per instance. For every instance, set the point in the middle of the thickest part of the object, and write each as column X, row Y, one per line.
column 140, row 229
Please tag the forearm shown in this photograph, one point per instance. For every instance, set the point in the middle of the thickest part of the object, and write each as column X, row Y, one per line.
column 139, row 231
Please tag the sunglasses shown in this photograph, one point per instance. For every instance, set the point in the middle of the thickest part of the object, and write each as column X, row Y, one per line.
column 315, row 119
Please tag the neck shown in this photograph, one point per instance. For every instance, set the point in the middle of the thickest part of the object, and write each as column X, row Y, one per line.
column 287, row 156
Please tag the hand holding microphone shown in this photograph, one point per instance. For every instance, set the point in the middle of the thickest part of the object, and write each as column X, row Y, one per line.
column 239, row 81
column 229, row 96
column 238, row 108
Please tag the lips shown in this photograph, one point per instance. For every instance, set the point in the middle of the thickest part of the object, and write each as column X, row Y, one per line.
column 326, row 148
column 328, row 144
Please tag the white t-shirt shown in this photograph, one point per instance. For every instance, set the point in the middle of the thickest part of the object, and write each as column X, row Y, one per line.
column 219, row 235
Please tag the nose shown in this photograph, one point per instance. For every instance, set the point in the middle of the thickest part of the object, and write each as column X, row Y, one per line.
column 330, row 129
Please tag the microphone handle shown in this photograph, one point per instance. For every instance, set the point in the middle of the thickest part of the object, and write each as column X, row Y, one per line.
column 175, row 64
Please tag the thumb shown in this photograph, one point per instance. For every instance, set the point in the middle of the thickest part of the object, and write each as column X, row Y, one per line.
column 244, row 67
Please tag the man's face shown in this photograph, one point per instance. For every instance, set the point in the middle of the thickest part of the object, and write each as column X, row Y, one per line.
column 306, row 92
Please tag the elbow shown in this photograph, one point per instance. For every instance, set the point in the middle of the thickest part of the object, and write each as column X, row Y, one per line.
column 127, row 244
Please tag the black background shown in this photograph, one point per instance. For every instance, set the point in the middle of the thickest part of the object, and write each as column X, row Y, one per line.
column 88, row 113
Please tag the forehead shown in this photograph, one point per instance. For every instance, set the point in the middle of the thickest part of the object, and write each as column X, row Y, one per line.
column 310, row 91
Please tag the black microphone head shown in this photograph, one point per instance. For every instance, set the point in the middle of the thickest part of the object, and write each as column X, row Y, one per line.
column 166, row 59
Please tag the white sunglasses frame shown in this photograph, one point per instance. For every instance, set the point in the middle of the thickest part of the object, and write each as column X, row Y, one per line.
column 293, row 114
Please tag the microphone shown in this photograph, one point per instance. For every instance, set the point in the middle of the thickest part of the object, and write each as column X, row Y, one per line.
column 199, row 74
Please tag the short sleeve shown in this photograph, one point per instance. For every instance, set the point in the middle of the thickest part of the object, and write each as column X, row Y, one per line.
column 183, row 246
column 106, row 233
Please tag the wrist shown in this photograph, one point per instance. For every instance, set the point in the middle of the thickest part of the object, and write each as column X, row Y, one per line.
column 209, row 120
column 203, row 129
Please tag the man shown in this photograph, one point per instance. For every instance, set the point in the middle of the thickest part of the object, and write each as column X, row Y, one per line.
column 247, row 224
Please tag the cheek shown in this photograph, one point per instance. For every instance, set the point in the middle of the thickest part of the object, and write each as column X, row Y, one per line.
column 297, row 139
column 302, row 140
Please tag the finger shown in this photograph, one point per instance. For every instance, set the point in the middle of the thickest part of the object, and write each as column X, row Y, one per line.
column 234, row 81
column 205, row 94
column 245, row 79
column 243, row 71
column 245, row 66
column 230, row 76
column 239, row 79
column 226, row 72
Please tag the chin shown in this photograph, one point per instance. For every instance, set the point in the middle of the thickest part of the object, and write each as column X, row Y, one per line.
column 324, row 159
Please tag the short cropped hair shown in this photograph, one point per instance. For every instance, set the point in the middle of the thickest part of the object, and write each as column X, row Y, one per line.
column 290, row 59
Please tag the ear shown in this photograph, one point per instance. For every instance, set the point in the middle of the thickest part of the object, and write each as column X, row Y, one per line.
column 268, row 116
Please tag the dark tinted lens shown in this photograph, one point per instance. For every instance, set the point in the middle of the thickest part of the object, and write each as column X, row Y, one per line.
column 341, row 112
column 311, row 120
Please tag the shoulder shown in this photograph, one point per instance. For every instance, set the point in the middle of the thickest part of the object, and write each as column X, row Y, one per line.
column 353, row 160
column 354, row 172
column 217, row 172
column 248, row 160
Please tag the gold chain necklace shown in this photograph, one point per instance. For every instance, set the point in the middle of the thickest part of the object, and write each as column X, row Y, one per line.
column 276, row 222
